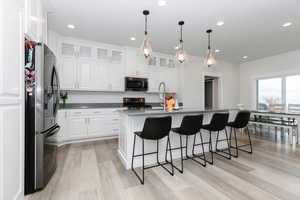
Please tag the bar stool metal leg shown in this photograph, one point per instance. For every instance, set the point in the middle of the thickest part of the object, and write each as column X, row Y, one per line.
column 210, row 150
column 203, row 153
column 143, row 161
column 223, row 150
column 161, row 164
column 235, row 143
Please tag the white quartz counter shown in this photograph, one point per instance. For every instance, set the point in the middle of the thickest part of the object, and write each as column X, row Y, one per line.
column 159, row 111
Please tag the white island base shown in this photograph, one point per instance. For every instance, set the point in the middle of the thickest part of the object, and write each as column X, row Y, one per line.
column 132, row 121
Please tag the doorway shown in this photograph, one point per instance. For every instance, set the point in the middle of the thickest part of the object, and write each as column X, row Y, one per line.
column 211, row 92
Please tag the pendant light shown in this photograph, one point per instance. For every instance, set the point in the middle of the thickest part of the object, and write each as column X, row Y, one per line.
column 180, row 53
column 209, row 59
column 146, row 46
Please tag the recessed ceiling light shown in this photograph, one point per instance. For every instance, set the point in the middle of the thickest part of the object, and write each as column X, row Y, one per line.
column 286, row 24
column 217, row 50
column 245, row 57
column 70, row 26
column 132, row 38
column 220, row 23
column 162, row 3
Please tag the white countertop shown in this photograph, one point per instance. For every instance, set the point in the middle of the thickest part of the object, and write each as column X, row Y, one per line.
column 159, row 111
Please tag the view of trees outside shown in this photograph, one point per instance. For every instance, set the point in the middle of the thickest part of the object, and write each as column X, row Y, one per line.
column 293, row 89
column 269, row 92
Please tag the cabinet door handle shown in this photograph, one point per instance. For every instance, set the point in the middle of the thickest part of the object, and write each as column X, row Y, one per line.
column 115, row 119
column 77, row 112
column 97, row 112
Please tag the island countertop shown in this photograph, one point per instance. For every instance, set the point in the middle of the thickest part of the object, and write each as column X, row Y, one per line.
column 159, row 111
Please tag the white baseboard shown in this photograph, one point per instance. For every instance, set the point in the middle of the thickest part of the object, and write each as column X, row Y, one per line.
column 59, row 144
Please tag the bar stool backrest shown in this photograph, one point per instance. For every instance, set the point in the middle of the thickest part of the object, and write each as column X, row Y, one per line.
column 219, row 121
column 156, row 128
column 242, row 119
column 191, row 124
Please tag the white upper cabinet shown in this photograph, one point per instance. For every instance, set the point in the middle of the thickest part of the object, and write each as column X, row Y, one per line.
column 90, row 68
column 68, row 73
column 84, row 74
column 116, row 77
column 68, row 50
column 35, row 21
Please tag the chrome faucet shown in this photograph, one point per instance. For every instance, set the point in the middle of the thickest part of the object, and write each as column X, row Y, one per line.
column 162, row 93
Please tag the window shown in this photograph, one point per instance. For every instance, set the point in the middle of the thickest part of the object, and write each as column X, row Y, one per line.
column 278, row 93
column 293, row 89
column 269, row 92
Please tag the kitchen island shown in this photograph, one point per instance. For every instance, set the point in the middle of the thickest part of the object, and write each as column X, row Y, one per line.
column 133, row 120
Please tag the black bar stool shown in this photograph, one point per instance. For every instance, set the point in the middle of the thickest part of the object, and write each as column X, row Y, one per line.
column 154, row 129
column 240, row 122
column 218, row 123
column 190, row 125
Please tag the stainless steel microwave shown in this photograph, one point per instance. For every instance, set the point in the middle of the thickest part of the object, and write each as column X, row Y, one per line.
column 136, row 84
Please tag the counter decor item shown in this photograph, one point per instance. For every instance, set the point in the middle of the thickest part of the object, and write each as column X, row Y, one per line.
column 170, row 102
column 64, row 97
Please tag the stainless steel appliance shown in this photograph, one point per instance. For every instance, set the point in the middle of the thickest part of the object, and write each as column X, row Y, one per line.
column 136, row 84
column 41, row 105
column 135, row 103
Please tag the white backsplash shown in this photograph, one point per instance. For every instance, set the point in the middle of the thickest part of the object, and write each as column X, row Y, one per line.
column 107, row 97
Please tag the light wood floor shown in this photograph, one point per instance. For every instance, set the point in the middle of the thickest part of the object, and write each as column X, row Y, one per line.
column 92, row 171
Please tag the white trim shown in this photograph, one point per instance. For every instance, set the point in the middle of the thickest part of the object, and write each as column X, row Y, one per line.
column 1, row 155
column 75, row 141
column 220, row 87
column 123, row 160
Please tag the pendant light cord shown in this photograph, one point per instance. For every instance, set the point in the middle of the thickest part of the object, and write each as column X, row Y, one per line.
column 181, row 34
column 209, row 47
column 146, row 32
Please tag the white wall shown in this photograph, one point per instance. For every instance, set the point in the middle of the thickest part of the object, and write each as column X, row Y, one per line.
column 192, row 86
column 283, row 64
column 107, row 97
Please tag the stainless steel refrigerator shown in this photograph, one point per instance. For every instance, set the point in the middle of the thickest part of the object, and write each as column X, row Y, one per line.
column 41, row 105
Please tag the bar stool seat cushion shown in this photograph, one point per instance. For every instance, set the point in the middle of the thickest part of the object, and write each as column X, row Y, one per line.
column 207, row 127
column 138, row 133
column 177, row 130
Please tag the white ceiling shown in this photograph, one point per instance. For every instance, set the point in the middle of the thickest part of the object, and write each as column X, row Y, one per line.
column 252, row 27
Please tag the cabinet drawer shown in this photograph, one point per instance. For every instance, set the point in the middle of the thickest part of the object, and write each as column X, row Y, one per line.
column 78, row 113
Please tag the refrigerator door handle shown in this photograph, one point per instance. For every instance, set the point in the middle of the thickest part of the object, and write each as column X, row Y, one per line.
column 53, row 131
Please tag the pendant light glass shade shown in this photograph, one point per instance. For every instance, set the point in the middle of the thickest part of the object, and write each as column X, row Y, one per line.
column 146, row 49
column 209, row 59
column 180, row 52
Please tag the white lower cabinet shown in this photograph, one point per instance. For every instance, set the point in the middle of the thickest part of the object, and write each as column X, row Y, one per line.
column 96, row 126
column 86, row 124
column 77, row 127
